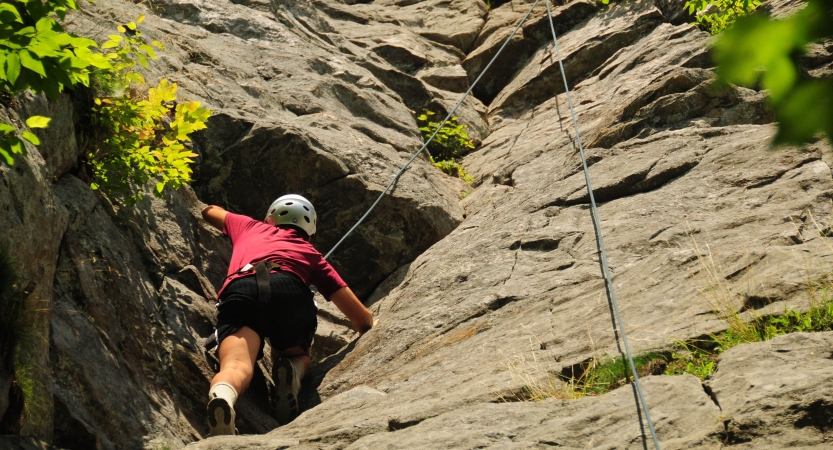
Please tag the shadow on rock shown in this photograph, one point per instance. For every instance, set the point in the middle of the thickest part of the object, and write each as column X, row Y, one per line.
column 309, row 397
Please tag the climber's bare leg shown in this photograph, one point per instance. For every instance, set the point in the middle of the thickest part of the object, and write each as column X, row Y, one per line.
column 238, row 353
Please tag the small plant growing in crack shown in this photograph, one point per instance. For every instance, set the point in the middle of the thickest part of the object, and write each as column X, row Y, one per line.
column 450, row 140
column 700, row 358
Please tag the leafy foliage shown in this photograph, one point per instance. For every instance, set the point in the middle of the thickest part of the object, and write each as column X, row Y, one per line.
column 700, row 358
column 36, row 53
column 715, row 16
column 10, row 144
column 447, row 145
column 601, row 378
column 139, row 139
column 453, row 168
column 145, row 140
column 125, row 51
column 450, row 139
column 763, row 50
column 692, row 359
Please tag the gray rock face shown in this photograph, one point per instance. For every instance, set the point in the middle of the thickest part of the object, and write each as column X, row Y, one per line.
column 33, row 225
column 757, row 399
column 478, row 297
column 784, row 385
column 684, row 175
column 130, row 288
column 308, row 110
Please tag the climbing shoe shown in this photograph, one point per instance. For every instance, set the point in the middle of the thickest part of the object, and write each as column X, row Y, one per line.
column 220, row 417
column 287, row 386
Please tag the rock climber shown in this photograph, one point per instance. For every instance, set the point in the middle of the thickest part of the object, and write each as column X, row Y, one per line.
column 267, row 295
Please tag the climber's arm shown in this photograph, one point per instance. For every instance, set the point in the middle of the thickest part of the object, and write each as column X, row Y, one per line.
column 347, row 302
column 215, row 216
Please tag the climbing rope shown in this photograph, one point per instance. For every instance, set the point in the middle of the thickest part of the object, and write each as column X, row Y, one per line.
column 430, row 139
column 611, row 295
column 594, row 210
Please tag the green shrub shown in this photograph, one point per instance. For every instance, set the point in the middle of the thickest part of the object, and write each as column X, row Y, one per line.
column 124, row 51
column 716, row 16
column 139, row 138
column 760, row 51
column 36, row 54
column 144, row 140
column 447, row 145
column 450, row 139
column 453, row 168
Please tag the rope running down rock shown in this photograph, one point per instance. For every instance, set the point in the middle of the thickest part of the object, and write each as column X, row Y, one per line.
column 450, row 114
column 595, row 214
column 600, row 240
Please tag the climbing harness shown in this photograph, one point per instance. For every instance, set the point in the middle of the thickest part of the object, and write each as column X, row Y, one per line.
column 594, row 210
column 262, row 270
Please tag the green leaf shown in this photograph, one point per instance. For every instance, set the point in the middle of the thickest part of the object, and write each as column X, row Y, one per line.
column 32, row 63
column 38, row 122
column 132, row 26
column 27, row 32
column 45, row 24
column 149, row 50
column 807, row 111
column 779, row 78
column 16, row 145
column 43, row 50
column 6, row 128
column 4, row 153
column 29, row 136
column 12, row 67
column 142, row 60
column 79, row 42
column 9, row 13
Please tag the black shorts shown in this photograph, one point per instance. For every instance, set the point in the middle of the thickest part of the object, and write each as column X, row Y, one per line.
column 289, row 320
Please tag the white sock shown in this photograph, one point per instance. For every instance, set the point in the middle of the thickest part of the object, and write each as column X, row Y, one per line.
column 298, row 365
column 225, row 391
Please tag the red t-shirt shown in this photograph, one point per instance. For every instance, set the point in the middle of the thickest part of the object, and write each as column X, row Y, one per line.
column 254, row 241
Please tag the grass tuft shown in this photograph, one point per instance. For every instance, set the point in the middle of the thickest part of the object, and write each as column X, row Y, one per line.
column 588, row 378
column 745, row 324
column 698, row 357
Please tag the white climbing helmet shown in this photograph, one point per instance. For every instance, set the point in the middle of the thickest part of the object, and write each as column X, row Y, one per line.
column 295, row 210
